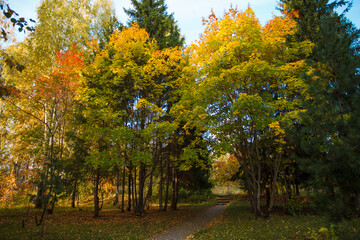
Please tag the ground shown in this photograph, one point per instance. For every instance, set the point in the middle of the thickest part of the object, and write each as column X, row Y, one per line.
column 67, row 223
column 236, row 222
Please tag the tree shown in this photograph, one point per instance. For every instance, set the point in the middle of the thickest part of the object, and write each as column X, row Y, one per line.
column 326, row 141
column 309, row 15
column 46, row 89
column 226, row 171
column 330, row 140
column 246, row 87
column 123, row 92
column 153, row 17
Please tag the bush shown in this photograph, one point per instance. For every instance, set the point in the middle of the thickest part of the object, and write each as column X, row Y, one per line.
column 334, row 232
column 195, row 196
column 294, row 205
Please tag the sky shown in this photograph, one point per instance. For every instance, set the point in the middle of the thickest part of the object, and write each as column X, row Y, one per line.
column 189, row 13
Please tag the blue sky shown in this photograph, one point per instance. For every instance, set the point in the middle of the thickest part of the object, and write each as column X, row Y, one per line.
column 189, row 13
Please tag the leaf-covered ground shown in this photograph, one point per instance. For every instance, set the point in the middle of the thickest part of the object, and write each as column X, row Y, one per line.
column 238, row 222
column 67, row 223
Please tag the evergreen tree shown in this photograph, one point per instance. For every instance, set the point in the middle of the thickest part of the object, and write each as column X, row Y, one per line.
column 310, row 14
column 330, row 137
column 328, row 152
column 152, row 15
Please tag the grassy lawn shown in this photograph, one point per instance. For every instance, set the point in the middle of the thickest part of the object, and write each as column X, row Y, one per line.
column 67, row 223
column 238, row 222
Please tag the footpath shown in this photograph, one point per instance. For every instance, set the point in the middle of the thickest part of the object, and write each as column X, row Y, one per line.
column 183, row 230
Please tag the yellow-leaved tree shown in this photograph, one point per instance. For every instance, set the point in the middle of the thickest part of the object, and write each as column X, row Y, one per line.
column 247, row 91
column 126, row 92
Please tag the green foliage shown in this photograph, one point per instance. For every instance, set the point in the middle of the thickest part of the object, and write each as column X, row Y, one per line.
column 153, row 17
column 334, row 232
column 329, row 137
column 310, row 13
column 327, row 150
column 324, row 233
column 197, row 196
column 294, row 205
column 245, row 90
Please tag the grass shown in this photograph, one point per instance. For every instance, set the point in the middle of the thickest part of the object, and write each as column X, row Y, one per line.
column 67, row 223
column 238, row 222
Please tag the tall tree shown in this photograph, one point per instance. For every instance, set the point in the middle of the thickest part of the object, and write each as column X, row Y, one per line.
column 309, row 15
column 153, row 17
column 330, row 135
column 123, row 92
column 248, row 77
column 47, row 86
column 328, row 154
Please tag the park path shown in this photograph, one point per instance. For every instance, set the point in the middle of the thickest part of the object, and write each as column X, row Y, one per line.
column 183, row 230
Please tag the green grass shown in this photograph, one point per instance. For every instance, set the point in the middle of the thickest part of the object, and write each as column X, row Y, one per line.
column 238, row 222
column 67, row 223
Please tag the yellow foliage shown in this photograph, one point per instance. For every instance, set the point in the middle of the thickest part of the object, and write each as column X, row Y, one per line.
column 8, row 189
column 275, row 126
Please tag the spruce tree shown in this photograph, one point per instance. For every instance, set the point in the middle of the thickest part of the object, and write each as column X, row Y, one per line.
column 152, row 15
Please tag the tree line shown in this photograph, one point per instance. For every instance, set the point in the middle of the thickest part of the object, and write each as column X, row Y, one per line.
column 96, row 101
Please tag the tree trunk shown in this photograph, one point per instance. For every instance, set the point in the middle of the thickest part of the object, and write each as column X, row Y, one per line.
column 297, row 189
column 96, row 194
column 173, row 188
column 149, row 192
column 140, row 207
column 267, row 192
column 258, row 192
column 51, row 209
column 129, row 190
column 123, row 191
column 73, row 195
column 133, row 189
column 167, row 184
column 39, row 193
column 117, row 185
column 161, row 186
column 174, row 197
column 135, row 196
column 274, row 181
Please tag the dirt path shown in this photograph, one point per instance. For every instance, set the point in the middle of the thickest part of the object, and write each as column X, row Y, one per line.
column 181, row 231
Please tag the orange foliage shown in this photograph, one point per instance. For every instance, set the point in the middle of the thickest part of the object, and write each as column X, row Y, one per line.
column 224, row 170
column 64, row 79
